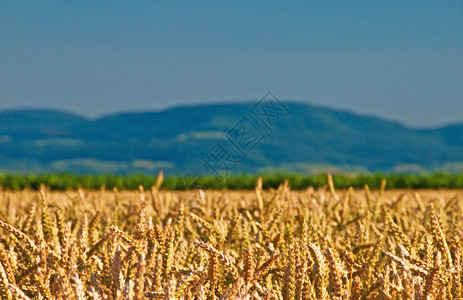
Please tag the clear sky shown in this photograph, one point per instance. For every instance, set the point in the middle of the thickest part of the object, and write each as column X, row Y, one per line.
column 401, row 60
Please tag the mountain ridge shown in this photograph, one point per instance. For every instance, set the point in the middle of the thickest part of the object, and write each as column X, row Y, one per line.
column 249, row 103
column 310, row 138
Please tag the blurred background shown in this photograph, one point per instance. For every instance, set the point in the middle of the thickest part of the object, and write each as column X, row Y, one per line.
column 122, row 87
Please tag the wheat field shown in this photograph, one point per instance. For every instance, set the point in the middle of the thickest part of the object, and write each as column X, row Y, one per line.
column 204, row 244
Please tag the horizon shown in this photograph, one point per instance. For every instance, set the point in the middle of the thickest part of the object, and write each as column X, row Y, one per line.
column 265, row 135
column 230, row 102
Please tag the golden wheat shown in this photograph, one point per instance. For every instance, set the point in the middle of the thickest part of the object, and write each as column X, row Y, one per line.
column 206, row 244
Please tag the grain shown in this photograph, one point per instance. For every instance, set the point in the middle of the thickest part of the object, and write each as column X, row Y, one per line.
column 204, row 244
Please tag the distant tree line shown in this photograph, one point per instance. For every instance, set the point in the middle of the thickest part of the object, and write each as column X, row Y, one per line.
column 66, row 181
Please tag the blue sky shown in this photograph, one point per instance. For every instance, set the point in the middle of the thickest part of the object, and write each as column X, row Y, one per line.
column 400, row 60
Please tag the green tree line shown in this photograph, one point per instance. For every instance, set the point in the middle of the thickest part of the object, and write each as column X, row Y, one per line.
column 236, row 182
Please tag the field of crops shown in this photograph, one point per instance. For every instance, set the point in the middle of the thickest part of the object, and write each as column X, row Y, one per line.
column 204, row 244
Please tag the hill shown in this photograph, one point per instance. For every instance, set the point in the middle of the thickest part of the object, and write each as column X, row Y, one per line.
column 200, row 139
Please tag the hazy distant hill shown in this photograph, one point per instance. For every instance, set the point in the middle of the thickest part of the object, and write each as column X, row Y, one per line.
column 308, row 139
